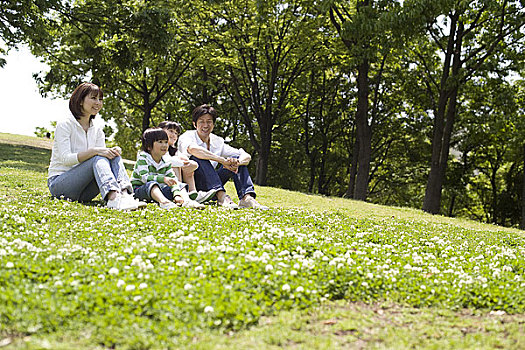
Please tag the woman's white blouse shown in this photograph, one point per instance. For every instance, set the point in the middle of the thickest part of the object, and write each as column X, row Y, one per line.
column 71, row 139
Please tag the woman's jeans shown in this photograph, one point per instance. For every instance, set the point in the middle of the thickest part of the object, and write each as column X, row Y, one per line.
column 86, row 180
column 207, row 178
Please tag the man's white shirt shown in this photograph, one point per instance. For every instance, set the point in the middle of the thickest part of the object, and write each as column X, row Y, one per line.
column 217, row 145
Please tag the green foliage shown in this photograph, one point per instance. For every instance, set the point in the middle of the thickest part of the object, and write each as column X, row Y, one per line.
column 155, row 279
column 44, row 132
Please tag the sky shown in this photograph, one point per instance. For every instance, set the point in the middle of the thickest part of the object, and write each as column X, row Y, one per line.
column 22, row 107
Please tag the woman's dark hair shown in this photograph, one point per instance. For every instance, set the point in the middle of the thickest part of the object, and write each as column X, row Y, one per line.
column 202, row 110
column 77, row 97
column 171, row 125
column 150, row 136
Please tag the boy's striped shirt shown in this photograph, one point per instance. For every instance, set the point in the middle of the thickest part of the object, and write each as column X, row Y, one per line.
column 146, row 169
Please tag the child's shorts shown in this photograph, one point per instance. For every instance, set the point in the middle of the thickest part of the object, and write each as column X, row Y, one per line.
column 144, row 192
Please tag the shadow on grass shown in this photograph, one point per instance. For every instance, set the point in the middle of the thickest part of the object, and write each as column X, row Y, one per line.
column 24, row 157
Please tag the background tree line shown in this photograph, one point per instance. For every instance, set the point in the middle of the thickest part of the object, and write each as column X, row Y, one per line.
column 415, row 103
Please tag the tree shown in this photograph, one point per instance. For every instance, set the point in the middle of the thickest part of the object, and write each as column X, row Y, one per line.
column 133, row 50
column 368, row 30
column 259, row 52
column 466, row 35
column 23, row 20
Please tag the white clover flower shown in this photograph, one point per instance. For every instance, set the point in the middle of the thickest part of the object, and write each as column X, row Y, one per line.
column 143, row 285
column 137, row 298
column 130, row 287
column 293, row 272
column 113, row 271
column 286, row 287
column 102, row 277
column 198, row 268
column 208, row 309
column 268, row 267
column 152, row 255
column 182, row 263
column 120, row 283
column 9, row 265
column 59, row 284
column 279, row 273
column 507, row 268
column 188, row 286
column 299, row 289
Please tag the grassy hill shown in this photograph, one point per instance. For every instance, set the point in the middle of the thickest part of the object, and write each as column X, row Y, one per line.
column 313, row 272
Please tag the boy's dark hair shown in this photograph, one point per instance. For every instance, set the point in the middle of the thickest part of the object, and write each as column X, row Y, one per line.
column 202, row 110
column 83, row 90
column 169, row 125
column 150, row 136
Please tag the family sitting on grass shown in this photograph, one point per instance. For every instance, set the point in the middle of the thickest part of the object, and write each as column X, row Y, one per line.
column 82, row 166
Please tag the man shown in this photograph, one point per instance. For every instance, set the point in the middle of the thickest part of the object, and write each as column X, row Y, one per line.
column 209, row 150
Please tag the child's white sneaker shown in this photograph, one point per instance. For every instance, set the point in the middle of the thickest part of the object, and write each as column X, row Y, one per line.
column 120, row 202
column 193, row 204
column 168, row 205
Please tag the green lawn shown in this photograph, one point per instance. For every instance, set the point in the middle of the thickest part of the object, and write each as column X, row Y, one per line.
column 311, row 273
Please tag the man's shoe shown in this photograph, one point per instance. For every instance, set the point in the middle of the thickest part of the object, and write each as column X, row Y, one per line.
column 193, row 195
column 203, row 197
column 120, row 202
column 227, row 203
column 250, row 202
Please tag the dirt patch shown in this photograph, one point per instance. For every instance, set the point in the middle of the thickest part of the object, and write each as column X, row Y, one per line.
column 27, row 141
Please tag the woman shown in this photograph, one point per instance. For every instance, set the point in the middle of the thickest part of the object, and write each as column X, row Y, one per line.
column 81, row 165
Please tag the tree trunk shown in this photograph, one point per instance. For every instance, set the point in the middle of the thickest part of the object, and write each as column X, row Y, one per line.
column 444, row 120
column 146, row 118
column 322, row 183
column 451, row 206
column 522, row 223
column 364, row 133
column 261, row 171
column 353, row 170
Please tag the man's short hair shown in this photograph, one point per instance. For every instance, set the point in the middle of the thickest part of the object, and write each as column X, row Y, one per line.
column 202, row 110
